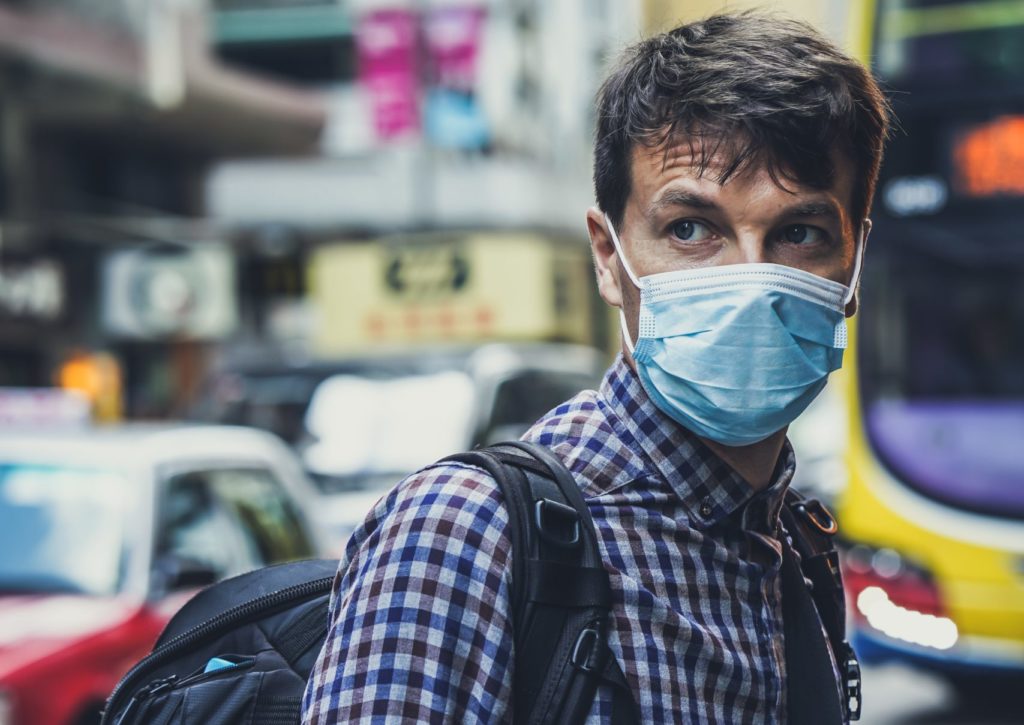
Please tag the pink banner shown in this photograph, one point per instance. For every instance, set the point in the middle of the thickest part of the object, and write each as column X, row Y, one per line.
column 387, row 47
column 453, row 36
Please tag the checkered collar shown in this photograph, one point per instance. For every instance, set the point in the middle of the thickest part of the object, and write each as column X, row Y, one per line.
column 709, row 489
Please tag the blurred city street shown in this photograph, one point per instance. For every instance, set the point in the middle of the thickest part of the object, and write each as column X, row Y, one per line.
column 262, row 259
column 897, row 695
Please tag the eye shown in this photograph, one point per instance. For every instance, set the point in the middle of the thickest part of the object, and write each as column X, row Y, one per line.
column 690, row 231
column 802, row 234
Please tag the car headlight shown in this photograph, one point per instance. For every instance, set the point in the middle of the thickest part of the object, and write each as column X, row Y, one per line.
column 6, row 710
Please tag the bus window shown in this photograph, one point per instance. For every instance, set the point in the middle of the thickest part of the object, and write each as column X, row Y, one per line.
column 941, row 328
column 936, row 43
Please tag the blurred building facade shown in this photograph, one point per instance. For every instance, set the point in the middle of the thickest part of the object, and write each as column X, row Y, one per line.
column 111, row 113
column 467, row 112
column 454, row 129
column 187, row 181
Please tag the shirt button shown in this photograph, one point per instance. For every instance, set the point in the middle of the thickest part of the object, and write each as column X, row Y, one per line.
column 706, row 507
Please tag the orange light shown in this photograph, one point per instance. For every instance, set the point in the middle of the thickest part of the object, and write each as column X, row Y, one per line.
column 82, row 374
column 989, row 159
column 97, row 377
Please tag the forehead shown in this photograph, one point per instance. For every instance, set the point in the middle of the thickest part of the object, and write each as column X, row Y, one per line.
column 691, row 163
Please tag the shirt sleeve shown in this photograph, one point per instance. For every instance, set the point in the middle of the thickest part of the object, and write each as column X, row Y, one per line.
column 419, row 625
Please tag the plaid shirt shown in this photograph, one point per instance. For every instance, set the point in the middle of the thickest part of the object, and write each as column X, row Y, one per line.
column 419, row 620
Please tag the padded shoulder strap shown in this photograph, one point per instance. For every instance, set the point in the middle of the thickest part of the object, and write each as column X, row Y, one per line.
column 561, row 596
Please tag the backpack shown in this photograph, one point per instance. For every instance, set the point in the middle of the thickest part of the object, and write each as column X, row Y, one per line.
column 241, row 651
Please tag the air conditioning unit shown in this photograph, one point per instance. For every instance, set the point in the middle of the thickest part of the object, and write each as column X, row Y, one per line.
column 153, row 295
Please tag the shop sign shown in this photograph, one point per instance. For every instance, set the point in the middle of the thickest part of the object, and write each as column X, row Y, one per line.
column 186, row 295
column 441, row 289
column 32, row 290
column 427, row 271
column 42, row 406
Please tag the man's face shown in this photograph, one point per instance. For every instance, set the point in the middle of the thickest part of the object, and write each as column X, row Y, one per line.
column 677, row 218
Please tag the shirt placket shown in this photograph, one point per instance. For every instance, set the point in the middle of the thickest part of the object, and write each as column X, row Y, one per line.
column 766, row 551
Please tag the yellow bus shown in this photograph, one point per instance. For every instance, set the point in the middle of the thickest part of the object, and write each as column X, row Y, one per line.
column 934, row 507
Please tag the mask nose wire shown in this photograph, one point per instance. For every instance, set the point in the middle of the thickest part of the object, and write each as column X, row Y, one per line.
column 632, row 277
column 858, row 259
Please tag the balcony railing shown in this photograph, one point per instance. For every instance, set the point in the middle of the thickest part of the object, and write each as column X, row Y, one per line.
column 260, row 21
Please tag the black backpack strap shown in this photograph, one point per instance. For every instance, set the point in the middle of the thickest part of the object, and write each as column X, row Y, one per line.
column 561, row 599
column 813, row 591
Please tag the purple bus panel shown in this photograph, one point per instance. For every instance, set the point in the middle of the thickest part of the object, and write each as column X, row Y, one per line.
column 968, row 454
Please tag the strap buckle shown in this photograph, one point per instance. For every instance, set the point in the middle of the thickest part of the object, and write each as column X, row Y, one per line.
column 851, row 684
column 834, row 570
column 818, row 515
column 557, row 523
column 586, row 652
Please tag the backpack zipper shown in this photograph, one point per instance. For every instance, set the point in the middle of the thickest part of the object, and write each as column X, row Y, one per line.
column 306, row 590
column 153, row 688
column 173, row 682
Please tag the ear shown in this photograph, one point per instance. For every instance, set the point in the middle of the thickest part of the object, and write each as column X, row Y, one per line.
column 606, row 261
column 862, row 238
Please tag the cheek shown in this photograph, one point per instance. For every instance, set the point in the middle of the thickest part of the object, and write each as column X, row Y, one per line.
column 831, row 264
column 837, row 272
column 627, row 292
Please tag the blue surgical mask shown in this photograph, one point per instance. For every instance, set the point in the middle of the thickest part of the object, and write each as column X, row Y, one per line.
column 736, row 352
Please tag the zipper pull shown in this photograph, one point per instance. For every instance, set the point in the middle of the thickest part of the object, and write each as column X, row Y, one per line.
column 153, row 688
column 163, row 685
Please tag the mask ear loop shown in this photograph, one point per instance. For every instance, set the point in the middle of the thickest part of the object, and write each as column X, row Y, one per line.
column 618, row 250
column 632, row 278
column 858, row 260
column 841, row 339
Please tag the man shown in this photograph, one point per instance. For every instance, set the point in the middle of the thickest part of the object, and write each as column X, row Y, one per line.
column 734, row 167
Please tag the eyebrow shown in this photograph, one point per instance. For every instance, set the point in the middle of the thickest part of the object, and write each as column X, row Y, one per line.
column 828, row 209
column 679, row 197
column 682, row 197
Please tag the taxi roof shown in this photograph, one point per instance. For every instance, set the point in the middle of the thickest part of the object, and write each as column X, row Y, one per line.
column 137, row 444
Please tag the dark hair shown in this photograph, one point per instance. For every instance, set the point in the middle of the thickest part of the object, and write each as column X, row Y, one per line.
column 754, row 87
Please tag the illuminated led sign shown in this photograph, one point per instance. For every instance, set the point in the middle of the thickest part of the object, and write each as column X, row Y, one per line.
column 988, row 160
column 913, row 195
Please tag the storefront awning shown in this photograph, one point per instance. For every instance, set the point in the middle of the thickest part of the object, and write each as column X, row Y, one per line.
column 161, row 80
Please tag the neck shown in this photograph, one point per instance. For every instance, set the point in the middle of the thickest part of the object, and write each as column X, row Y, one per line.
column 756, row 462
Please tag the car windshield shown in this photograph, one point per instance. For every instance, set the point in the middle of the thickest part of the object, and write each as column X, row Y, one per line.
column 61, row 528
column 371, row 432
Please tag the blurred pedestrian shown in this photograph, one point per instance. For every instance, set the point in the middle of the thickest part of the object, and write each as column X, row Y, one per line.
column 734, row 167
